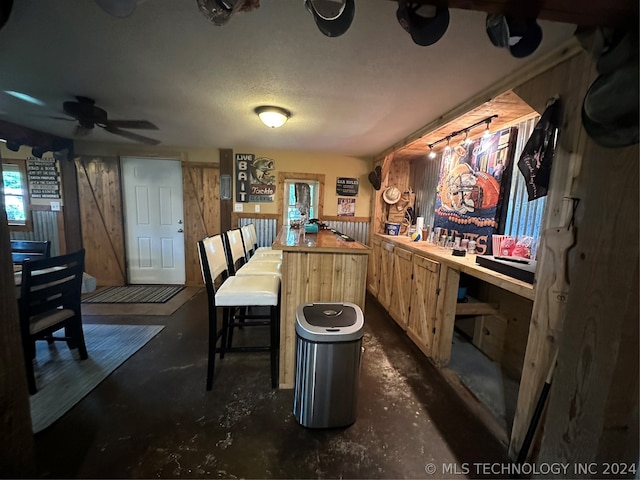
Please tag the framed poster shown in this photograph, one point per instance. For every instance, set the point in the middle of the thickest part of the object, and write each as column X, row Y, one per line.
column 472, row 185
column 346, row 207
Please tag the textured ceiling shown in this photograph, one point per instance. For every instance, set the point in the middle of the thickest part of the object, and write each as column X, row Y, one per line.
column 199, row 83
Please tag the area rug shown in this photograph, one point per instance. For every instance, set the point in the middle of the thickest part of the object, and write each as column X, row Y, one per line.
column 134, row 294
column 63, row 379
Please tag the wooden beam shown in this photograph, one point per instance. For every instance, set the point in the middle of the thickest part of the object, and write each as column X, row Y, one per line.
column 594, row 396
column 226, row 206
column 71, row 201
column 16, row 455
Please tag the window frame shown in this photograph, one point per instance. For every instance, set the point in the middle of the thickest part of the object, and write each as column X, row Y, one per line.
column 22, row 167
column 305, row 177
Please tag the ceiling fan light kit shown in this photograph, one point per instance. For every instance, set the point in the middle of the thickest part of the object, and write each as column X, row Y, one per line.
column 273, row 117
column 88, row 115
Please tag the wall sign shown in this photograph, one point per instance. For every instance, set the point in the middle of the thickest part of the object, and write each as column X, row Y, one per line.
column 44, row 178
column 347, row 187
column 263, row 182
column 346, row 207
column 243, row 162
column 255, row 181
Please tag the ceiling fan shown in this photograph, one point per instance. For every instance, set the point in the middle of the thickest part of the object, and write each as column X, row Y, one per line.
column 88, row 115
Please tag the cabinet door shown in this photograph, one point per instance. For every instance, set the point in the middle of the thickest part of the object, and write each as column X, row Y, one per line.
column 386, row 274
column 424, row 298
column 401, row 290
column 373, row 273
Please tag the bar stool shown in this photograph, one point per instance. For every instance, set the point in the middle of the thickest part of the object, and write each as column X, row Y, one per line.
column 249, row 248
column 256, row 248
column 236, row 258
column 234, row 295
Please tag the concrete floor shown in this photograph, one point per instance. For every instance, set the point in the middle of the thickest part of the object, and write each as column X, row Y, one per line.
column 153, row 418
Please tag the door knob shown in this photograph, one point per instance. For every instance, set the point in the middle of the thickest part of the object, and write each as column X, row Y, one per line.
column 180, row 230
column 180, row 222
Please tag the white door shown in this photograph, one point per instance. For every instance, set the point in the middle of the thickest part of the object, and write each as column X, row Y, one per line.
column 153, row 220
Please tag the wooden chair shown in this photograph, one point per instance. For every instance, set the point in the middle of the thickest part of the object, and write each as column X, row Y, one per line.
column 50, row 300
column 22, row 250
column 234, row 295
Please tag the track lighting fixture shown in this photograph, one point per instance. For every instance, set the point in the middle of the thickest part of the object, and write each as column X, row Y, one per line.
column 467, row 140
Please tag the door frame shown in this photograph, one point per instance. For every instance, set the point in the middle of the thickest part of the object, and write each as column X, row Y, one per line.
column 121, row 158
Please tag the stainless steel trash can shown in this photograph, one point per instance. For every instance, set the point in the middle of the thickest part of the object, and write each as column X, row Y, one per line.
column 328, row 351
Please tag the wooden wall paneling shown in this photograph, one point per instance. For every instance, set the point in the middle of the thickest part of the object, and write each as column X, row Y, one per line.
column 101, row 217
column 315, row 277
column 586, row 409
column 294, row 287
column 570, row 80
column 17, row 452
column 202, row 216
column 503, row 334
column 489, row 335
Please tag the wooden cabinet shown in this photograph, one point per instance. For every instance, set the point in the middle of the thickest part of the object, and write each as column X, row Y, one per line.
column 373, row 273
column 401, row 281
column 385, row 286
column 424, row 299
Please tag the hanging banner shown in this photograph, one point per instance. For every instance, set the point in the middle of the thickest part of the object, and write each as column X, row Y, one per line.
column 346, row 187
column 473, row 181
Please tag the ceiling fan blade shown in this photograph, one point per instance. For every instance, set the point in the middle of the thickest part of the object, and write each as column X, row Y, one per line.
column 131, row 136
column 135, row 124
column 118, row 8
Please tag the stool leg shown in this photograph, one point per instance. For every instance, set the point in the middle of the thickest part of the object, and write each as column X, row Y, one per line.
column 213, row 339
column 273, row 346
column 226, row 314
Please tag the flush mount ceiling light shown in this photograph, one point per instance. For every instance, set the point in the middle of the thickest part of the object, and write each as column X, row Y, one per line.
column 273, row 117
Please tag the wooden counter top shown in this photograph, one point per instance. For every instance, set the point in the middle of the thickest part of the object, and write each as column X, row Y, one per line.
column 466, row 264
column 293, row 240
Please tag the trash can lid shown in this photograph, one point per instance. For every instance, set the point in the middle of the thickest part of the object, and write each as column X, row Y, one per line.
column 329, row 322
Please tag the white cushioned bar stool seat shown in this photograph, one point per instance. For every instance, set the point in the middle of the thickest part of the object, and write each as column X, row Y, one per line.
column 260, row 269
column 237, row 258
column 262, row 290
column 254, row 239
column 235, row 295
column 250, row 246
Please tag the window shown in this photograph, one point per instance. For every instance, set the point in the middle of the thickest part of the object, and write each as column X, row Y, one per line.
column 292, row 212
column 16, row 194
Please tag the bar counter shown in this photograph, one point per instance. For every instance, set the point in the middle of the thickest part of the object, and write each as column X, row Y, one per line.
column 316, row 267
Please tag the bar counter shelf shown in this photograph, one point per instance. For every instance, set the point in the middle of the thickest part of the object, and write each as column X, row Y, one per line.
column 316, row 267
